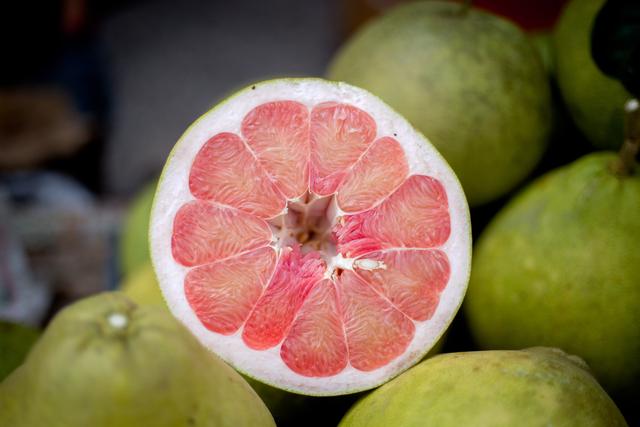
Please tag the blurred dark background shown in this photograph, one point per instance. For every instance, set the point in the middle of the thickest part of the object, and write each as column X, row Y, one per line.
column 138, row 72
column 93, row 95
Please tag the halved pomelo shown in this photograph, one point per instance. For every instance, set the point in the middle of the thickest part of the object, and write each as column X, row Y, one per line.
column 307, row 234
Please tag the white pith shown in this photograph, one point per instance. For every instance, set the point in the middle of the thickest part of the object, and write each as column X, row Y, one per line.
column 422, row 158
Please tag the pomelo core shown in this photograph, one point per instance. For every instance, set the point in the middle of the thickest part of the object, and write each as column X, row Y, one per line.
column 304, row 232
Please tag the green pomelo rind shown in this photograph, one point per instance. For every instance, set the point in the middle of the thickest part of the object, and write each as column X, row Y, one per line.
column 543, row 42
column 472, row 82
column 15, row 342
column 560, row 266
column 437, row 157
column 134, row 244
column 595, row 101
column 141, row 286
column 84, row 371
column 489, row 388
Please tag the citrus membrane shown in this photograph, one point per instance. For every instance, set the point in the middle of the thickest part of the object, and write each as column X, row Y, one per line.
column 307, row 234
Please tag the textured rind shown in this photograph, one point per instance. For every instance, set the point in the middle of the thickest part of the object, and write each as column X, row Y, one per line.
column 560, row 266
column 134, row 244
column 141, row 286
column 471, row 82
column 595, row 100
column 287, row 408
column 489, row 388
column 15, row 342
column 85, row 372
column 257, row 365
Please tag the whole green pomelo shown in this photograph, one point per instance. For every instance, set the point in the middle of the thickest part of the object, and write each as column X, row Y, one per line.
column 106, row 362
column 595, row 101
column 15, row 342
column 535, row 387
column 471, row 82
column 134, row 241
column 287, row 408
column 560, row 266
column 141, row 286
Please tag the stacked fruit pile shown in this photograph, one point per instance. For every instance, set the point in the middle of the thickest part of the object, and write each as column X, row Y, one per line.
column 313, row 239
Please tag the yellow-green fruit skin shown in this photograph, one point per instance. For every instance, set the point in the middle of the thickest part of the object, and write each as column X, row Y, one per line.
column 594, row 100
column 15, row 342
column 489, row 388
column 471, row 82
column 134, row 241
column 141, row 286
column 84, row 371
column 560, row 266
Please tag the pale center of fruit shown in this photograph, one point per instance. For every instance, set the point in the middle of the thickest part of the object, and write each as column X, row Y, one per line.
column 118, row 320
column 308, row 221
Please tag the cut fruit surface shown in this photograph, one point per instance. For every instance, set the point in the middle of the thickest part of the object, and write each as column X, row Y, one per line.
column 303, row 231
column 376, row 331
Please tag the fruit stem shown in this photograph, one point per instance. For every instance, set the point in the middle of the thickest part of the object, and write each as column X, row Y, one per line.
column 626, row 162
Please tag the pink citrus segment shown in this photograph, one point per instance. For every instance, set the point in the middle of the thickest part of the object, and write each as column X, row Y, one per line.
column 340, row 133
column 416, row 215
column 223, row 293
column 278, row 134
column 225, row 171
column 381, row 169
column 315, row 345
column 314, row 237
column 411, row 279
column 204, row 232
column 376, row 331
column 295, row 276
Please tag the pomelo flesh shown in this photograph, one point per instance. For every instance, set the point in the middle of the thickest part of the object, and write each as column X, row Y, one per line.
column 308, row 235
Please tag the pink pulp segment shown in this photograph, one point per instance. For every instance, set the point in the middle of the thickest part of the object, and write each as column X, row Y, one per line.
column 309, row 234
